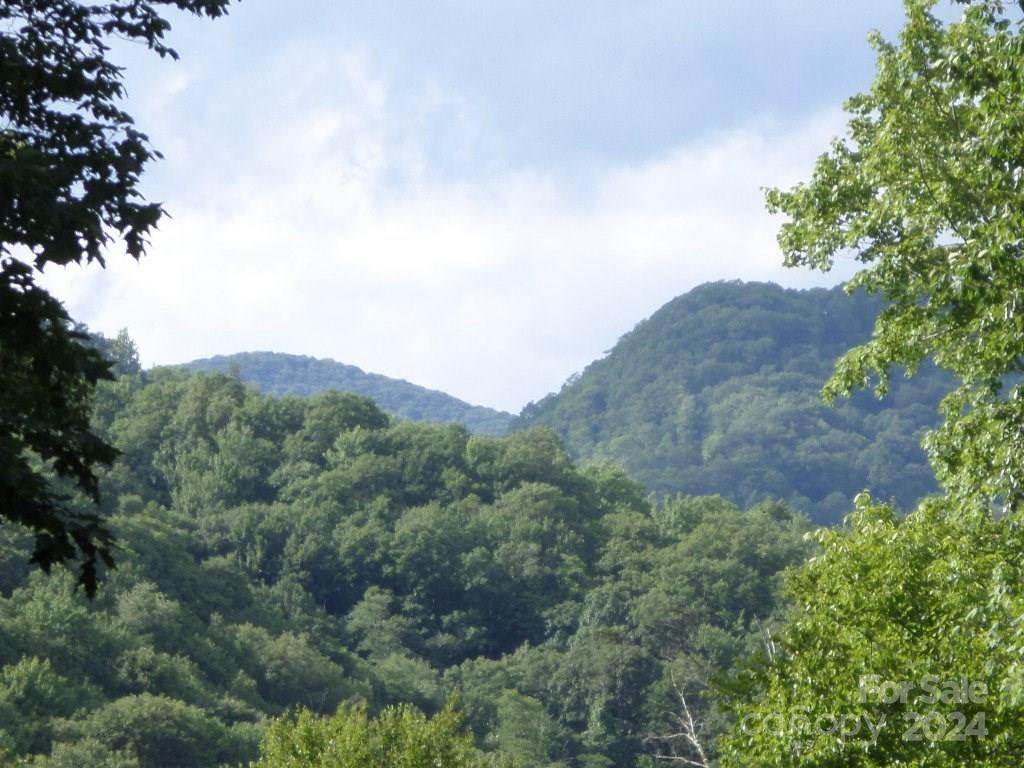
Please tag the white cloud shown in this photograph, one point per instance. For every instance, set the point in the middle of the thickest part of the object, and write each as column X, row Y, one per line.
column 321, row 229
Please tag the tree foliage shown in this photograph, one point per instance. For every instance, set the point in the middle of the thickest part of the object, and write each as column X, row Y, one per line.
column 48, row 372
column 926, row 191
column 70, row 164
column 399, row 736
column 928, row 603
column 284, row 552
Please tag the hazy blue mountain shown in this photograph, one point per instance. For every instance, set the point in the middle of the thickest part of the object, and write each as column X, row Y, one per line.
column 280, row 374
column 718, row 392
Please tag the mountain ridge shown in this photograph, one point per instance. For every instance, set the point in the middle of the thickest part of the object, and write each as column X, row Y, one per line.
column 280, row 373
column 718, row 391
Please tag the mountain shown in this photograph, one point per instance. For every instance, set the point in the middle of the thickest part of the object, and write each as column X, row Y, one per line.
column 278, row 374
column 719, row 392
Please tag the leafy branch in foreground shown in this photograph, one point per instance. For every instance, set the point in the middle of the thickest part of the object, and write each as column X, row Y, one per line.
column 904, row 642
column 927, row 192
column 70, row 163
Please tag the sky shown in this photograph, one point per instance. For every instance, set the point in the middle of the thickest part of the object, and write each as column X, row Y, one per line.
column 474, row 196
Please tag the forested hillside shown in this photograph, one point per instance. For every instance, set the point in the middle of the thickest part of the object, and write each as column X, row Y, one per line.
column 285, row 552
column 719, row 392
column 198, row 574
column 279, row 374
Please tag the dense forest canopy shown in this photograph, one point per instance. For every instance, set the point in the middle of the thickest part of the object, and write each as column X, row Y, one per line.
column 719, row 392
column 285, row 552
column 279, row 374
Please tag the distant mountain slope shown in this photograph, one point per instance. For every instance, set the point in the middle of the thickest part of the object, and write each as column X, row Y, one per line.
column 280, row 374
column 718, row 392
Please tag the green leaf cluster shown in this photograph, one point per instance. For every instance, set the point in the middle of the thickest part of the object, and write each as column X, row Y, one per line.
column 925, row 191
column 927, row 601
column 399, row 737
column 70, row 164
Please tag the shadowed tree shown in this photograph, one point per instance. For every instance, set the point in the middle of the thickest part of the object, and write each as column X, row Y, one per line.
column 70, row 163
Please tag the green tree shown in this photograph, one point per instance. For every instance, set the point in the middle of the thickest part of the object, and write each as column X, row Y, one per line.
column 31, row 695
column 399, row 736
column 927, row 192
column 158, row 732
column 70, row 164
column 527, row 731
column 719, row 392
column 927, row 603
